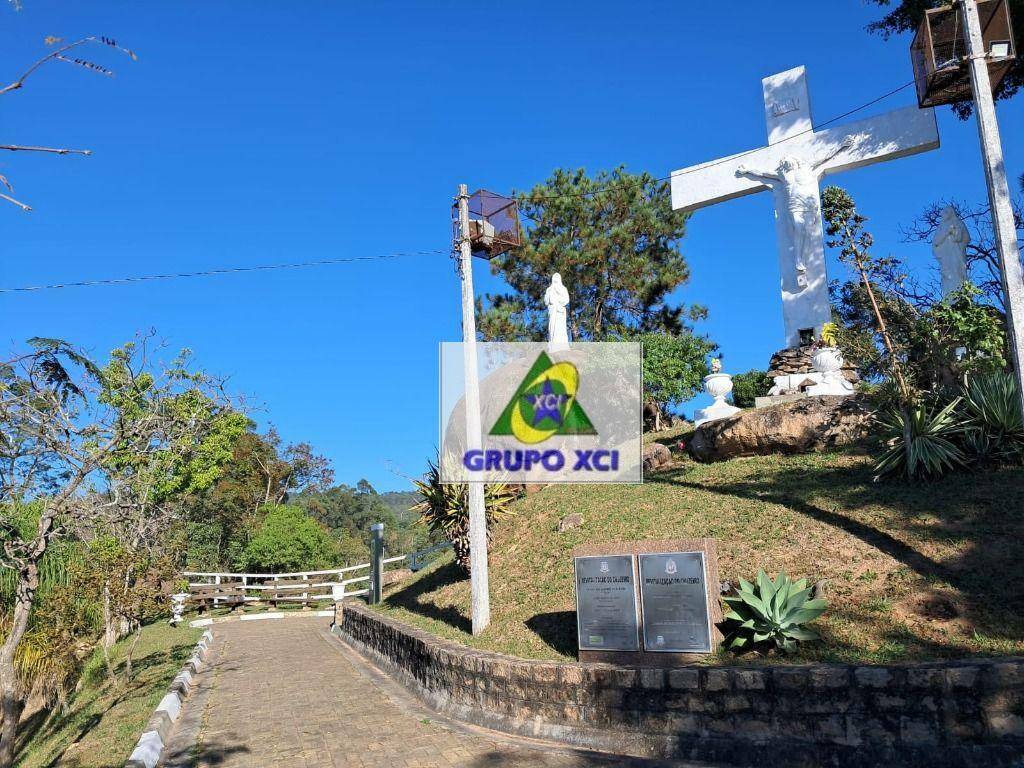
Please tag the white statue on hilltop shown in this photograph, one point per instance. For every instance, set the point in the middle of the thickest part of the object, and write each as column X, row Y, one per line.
column 797, row 180
column 950, row 248
column 556, row 299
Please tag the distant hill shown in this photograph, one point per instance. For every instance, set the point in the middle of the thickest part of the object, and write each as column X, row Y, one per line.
column 399, row 503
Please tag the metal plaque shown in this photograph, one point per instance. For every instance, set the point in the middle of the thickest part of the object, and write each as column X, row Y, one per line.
column 606, row 615
column 674, row 598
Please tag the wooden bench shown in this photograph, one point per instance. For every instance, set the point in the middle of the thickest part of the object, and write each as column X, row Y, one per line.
column 206, row 596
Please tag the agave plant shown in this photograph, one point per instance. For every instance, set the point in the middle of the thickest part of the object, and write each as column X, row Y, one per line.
column 994, row 422
column 921, row 442
column 445, row 508
column 771, row 613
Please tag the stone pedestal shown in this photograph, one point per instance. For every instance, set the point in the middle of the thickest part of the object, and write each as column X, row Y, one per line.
column 718, row 385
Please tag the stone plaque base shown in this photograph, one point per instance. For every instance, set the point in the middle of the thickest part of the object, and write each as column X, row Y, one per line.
column 659, row 659
column 769, row 400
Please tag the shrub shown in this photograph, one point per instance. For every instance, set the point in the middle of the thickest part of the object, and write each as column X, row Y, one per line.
column 770, row 614
column 922, row 442
column 748, row 386
column 994, row 424
column 289, row 540
column 445, row 509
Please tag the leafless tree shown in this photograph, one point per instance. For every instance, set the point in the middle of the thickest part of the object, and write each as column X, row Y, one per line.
column 62, row 52
column 84, row 446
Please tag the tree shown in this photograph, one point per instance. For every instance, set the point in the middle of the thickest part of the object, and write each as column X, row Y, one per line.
column 64, row 52
column 906, row 16
column 290, row 540
column 674, row 368
column 846, row 228
column 614, row 238
column 747, row 387
column 66, row 429
column 223, row 517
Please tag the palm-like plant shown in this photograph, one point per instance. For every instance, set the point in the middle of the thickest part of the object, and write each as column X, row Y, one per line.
column 771, row 613
column 921, row 441
column 445, row 508
column 994, row 422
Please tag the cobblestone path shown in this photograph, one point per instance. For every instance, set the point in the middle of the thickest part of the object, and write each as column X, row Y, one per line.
column 285, row 693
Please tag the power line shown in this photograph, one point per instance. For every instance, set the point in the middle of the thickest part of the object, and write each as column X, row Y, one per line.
column 223, row 271
column 731, row 158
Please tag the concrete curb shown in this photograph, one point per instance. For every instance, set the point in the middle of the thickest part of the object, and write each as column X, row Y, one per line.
column 196, row 623
column 153, row 739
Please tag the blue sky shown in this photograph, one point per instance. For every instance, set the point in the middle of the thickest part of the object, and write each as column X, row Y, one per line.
column 266, row 132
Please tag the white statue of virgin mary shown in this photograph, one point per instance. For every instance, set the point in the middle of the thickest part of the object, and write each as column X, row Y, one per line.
column 556, row 299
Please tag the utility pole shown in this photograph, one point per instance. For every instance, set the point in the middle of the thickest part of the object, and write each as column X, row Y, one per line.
column 481, row 600
column 998, row 190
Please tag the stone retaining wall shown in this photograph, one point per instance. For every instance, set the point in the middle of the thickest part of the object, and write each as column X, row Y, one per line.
column 936, row 714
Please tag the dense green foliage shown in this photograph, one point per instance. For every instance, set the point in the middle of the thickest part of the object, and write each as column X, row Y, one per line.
column 906, row 16
column 289, row 540
column 771, row 613
column 674, row 366
column 614, row 239
column 445, row 509
column 746, row 387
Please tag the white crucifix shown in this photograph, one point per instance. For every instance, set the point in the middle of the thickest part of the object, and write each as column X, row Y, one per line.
column 796, row 158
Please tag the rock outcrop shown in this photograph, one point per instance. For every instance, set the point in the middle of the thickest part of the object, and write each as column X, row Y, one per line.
column 808, row 424
column 656, row 456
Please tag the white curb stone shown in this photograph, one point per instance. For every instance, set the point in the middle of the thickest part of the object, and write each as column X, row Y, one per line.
column 151, row 743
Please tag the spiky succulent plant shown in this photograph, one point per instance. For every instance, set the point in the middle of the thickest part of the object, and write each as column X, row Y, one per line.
column 771, row 613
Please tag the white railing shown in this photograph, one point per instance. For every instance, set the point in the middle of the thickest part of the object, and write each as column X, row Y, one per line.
column 257, row 582
column 333, row 579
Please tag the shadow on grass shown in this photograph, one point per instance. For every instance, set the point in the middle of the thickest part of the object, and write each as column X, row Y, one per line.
column 964, row 530
column 409, row 597
column 557, row 629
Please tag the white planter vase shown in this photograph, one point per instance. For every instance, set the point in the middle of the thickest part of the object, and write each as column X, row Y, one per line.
column 827, row 360
column 718, row 385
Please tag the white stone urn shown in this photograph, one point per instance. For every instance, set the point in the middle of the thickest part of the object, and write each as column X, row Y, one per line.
column 827, row 360
column 718, row 385
column 178, row 606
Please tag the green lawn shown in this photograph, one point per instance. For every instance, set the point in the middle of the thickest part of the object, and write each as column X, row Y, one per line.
column 104, row 720
column 913, row 571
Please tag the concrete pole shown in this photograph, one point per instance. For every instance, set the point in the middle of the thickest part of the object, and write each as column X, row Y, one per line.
column 376, row 562
column 998, row 190
column 481, row 600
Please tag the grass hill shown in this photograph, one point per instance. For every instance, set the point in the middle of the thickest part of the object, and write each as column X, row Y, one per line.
column 914, row 571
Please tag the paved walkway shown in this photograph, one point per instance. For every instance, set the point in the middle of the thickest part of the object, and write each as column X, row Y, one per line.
column 285, row 693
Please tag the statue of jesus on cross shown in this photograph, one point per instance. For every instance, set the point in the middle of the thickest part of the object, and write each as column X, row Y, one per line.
column 797, row 180
column 795, row 160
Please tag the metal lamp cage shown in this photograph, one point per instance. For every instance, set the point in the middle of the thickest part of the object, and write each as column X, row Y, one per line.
column 493, row 224
column 939, row 51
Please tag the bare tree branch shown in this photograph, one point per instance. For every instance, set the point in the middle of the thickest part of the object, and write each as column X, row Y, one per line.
column 57, row 55
column 53, row 150
column 18, row 203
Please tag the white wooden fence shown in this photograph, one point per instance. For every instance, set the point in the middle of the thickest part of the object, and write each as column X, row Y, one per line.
column 333, row 584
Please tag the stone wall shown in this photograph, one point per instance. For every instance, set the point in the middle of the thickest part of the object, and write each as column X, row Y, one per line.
column 936, row 714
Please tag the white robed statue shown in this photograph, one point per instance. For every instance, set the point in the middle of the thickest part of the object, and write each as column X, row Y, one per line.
column 556, row 299
column 950, row 248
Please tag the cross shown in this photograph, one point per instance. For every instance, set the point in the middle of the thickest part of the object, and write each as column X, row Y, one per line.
column 796, row 158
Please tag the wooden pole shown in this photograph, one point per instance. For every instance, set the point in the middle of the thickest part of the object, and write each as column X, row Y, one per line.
column 998, row 190
column 481, row 600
